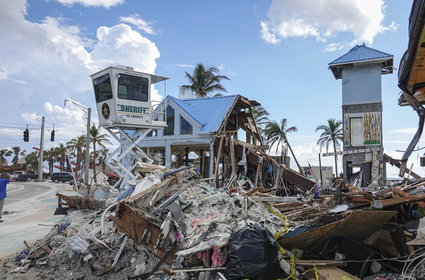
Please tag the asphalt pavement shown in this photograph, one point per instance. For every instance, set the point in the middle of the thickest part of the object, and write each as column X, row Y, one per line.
column 29, row 216
column 20, row 191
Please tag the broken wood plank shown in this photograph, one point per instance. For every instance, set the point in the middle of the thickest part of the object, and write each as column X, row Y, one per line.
column 160, row 190
column 335, row 274
column 78, row 202
column 275, row 198
column 320, row 263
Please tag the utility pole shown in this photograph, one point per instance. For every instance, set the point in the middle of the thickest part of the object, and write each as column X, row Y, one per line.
column 86, row 174
column 87, row 155
column 40, row 160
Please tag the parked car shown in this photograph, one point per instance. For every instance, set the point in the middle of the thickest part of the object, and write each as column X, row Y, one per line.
column 24, row 177
column 16, row 174
column 61, row 177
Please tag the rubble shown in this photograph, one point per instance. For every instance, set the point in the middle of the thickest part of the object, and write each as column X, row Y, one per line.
column 171, row 224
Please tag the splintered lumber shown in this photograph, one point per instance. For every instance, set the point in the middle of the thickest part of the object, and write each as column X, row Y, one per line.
column 400, row 200
column 78, row 202
column 401, row 193
column 320, row 263
column 148, row 198
column 335, row 274
column 144, row 167
column 275, row 198
column 135, row 224
column 288, row 206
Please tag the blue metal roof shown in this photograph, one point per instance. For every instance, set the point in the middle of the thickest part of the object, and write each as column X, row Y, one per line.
column 360, row 53
column 209, row 111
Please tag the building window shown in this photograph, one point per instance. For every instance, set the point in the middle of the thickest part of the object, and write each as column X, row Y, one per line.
column 102, row 88
column 185, row 127
column 133, row 88
column 169, row 130
column 356, row 132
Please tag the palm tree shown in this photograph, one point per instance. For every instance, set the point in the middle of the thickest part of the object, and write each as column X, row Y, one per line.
column 204, row 81
column 276, row 134
column 331, row 133
column 76, row 146
column 16, row 153
column 61, row 153
column 3, row 154
column 102, row 158
column 50, row 156
column 32, row 160
column 261, row 117
column 100, row 139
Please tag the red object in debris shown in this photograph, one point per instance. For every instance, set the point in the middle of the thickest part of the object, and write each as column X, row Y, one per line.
column 35, row 148
column 109, row 174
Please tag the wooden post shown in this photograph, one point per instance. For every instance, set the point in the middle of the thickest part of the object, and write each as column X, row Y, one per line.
column 217, row 159
column 201, row 162
column 320, row 167
column 232, row 156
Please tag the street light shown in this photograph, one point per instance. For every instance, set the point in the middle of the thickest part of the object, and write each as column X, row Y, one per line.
column 88, row 112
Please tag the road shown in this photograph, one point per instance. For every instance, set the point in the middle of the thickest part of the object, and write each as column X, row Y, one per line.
column 20, row 191
column 29, row 212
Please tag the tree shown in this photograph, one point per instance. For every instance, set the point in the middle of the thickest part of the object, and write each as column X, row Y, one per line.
column 62, row 158
column 76, row 146
column 3, row 154
column 276, row 134
column 331, row 133
column 32, row 160
column 102, row 158
column 16, row 153
column 99, row 139
column 204, row 81
column 50, row 156
column 261, row 117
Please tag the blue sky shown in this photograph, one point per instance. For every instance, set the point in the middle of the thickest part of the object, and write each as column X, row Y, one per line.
column 276, row 52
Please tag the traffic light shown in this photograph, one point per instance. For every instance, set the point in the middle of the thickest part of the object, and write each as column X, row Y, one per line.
column 52, row 136
column 26, row 135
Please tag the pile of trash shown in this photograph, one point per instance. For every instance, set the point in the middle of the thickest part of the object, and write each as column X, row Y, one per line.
column 172, row 224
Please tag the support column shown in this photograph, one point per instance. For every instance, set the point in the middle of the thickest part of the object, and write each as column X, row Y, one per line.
column 168, row 155
column 211, row 173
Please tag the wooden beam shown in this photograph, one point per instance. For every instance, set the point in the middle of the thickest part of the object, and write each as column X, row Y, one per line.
column 233, row 156
column 217, row 159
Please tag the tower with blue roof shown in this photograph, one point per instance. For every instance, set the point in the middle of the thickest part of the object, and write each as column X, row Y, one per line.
column 360, row 71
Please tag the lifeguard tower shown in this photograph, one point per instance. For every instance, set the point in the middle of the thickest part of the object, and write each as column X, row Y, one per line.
column 126, row 110
column 360, row 71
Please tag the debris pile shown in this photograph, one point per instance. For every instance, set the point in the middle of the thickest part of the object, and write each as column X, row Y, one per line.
column 175, row 225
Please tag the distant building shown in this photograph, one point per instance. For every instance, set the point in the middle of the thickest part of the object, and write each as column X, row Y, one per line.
column 360, row 71
column 313, row 172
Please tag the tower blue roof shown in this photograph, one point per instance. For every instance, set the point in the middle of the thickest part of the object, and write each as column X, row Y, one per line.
column 209, row 112
column 362, row 53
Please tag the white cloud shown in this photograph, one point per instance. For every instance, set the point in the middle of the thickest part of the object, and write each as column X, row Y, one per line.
column 322, row 19
column 92, row 3
column 50, row 61
column 140, row 23
column 334, row 47
column 123, row 45
column 32, row 118
column 186, row 65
